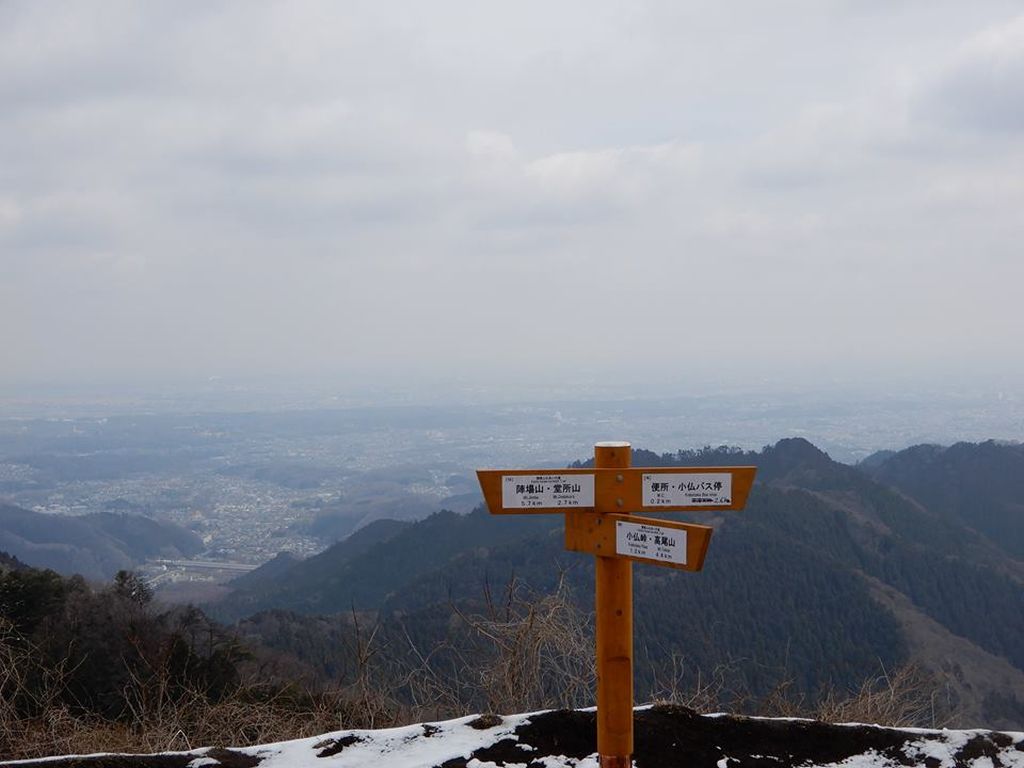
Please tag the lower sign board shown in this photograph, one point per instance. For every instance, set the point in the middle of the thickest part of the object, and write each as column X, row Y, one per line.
column 645, row 541
column 660, row 542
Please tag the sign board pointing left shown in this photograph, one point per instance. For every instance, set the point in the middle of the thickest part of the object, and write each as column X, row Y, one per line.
column 561, row 491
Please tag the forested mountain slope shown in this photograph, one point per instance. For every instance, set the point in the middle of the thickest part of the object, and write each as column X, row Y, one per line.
column 979, row 485
column 96, row 546
column 789, row 591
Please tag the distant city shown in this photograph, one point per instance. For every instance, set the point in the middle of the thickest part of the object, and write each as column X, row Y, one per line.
column 255, row 483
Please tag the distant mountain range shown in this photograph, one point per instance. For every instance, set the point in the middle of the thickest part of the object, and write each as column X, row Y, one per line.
column 96, row 546
column 832, row 574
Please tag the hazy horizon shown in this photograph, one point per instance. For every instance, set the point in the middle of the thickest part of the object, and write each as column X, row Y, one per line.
column 541, row 426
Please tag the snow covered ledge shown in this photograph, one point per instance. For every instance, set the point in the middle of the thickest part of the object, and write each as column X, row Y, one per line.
column 666, row 737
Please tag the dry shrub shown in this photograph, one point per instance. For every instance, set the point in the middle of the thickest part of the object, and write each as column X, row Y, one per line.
column 59, row 732
column 434, row 690
column 37, row 721
column 907, row 697
column 30, row 707
column 523, row 652
column 191, row 721
column 703, row 692
column 532, row 652
column 541, row 654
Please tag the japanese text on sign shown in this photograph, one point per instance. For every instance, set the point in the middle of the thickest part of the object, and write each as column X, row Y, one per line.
column 652, row 542
column 689, row 489
column 525, row 491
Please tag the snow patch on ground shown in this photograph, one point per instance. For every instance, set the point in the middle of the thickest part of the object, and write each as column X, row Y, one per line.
column 412, row 746
column 666, row 737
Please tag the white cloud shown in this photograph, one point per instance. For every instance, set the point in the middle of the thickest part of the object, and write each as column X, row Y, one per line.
column 631, row 173
column 983, row 86
column 261, row 185
column 10, row 213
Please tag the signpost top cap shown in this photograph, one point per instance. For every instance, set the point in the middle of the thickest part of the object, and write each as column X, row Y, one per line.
column 612, row 444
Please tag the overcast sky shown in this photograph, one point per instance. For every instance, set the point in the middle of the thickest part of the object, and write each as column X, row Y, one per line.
column 816, row 188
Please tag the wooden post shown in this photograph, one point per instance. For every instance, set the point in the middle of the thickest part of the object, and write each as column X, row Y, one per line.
column 597, row 504
column 614, row 598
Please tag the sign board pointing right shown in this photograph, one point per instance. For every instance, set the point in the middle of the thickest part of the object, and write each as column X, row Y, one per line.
column 644, row 539
column 694, row 489
column 650, row 541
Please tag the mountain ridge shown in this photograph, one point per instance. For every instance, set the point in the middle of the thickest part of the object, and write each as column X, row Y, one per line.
column 980, row 485
column 783, row 588
column 96, row 546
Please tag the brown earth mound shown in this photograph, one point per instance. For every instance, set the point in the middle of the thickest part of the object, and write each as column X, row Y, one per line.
column 665, row 736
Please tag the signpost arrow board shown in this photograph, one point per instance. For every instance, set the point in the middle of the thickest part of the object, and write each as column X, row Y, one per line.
column 596, row 503
column 646, row 540
column 544, row 492
column 665, row 489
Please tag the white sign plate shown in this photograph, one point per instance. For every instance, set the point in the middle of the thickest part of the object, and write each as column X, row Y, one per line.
column 526, row 491
column 691, row 489
column 651, row 542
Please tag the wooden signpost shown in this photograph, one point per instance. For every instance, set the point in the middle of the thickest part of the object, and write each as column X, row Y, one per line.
column 599, row 504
